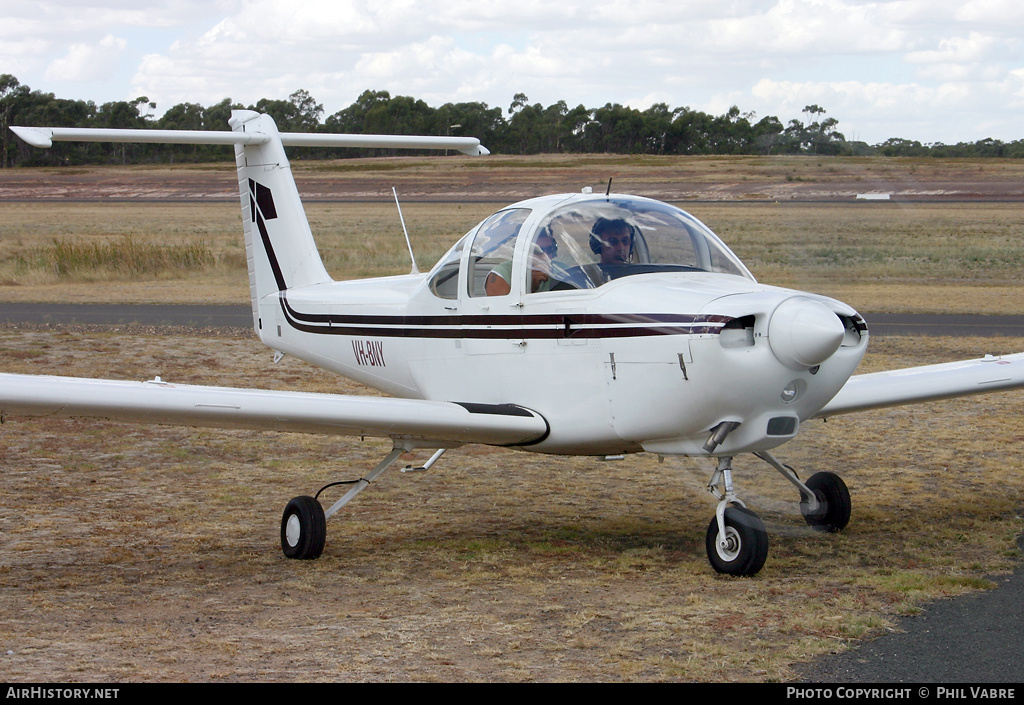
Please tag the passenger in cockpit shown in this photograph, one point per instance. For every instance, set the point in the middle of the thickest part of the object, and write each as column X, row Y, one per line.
column 542, row 269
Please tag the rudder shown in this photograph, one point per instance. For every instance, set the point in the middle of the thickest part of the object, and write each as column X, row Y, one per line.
column 280, row 250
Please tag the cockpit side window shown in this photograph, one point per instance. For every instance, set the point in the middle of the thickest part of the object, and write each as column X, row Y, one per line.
column 490, row 260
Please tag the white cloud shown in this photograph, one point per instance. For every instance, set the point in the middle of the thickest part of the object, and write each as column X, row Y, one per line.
column 85, row 62
column 995, row 12
column 947, row 112
column 956, row 50
column 799, row 26
column 849, row 56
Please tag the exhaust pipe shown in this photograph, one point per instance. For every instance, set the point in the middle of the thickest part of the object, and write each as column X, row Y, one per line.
column 718, row 434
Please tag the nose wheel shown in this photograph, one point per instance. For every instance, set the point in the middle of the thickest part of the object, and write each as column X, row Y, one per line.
column 743, row 546
column 736, row 541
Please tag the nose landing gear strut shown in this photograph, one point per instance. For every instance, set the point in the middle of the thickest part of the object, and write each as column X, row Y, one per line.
column 736, row 540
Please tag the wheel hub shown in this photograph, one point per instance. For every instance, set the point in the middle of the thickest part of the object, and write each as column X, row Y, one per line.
column 729, row 544
column 293, row 531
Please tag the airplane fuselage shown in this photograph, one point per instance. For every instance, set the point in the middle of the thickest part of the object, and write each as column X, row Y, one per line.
column 595, row 362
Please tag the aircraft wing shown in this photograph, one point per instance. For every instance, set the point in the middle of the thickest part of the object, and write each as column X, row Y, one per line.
column 426, row 423
column 928, row 383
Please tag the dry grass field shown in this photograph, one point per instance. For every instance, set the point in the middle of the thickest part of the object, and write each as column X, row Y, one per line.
column 795, row 221
column 151, row 554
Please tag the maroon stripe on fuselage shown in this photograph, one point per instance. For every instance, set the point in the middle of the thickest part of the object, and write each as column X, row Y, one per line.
column 497, row 327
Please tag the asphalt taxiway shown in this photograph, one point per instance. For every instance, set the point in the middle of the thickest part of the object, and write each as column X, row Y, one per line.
column 240, row 316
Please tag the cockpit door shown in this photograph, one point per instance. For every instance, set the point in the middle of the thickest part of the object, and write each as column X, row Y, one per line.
column 490, row 299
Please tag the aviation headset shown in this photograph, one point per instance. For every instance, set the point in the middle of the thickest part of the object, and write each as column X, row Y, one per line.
column 605, row 225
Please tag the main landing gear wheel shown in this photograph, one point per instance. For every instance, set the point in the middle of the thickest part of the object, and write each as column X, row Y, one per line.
column 303, row 529
column 833, row 513
column 744, row 548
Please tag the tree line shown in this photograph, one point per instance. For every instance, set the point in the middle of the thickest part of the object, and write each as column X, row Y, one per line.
column 523, row 128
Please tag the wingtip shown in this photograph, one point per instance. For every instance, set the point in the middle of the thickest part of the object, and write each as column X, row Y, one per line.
column 35, row 136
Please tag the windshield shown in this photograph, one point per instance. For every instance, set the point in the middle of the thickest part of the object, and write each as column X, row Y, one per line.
column 598, row 240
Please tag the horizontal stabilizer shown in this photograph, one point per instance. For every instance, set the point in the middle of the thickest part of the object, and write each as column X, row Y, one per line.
column 46, row 136
column 430, row 423
column 928, row 383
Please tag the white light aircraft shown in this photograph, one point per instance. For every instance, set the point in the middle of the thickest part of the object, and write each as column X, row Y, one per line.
column 575, row 324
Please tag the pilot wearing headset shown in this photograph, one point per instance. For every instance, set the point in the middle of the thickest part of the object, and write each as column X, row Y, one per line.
column 612, row 240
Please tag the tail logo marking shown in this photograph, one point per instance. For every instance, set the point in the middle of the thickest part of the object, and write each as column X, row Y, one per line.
column 260, row 195
column 262, row 209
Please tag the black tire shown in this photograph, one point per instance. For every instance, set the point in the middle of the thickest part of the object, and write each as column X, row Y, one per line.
column 747, row 547
column 303, row 529
column 834, row 513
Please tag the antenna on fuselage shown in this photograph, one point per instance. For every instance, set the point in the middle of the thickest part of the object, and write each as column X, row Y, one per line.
column 608, row 190
column 415, row 269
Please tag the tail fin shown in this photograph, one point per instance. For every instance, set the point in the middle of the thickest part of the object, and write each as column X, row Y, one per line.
column 279, row 245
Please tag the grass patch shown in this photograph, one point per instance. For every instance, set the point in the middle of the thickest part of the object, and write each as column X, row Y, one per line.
column 126, row 257
column 925, row 258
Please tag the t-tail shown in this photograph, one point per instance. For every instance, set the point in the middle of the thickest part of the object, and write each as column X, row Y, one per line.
column 279, row 245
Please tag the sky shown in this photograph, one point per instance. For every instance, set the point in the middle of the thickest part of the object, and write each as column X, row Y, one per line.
column 928, row 70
